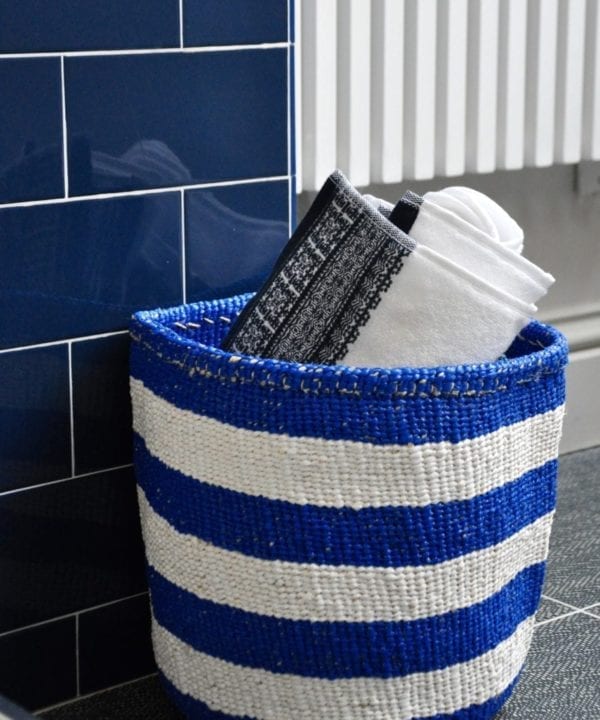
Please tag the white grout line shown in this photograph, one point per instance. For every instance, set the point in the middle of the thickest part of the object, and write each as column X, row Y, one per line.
column 15, row 491
column 589, row 614
column 111, row 602
column 145, row 51
column 148, row 191
column 566, row 604
column 73, row 614
column 71, row 412
column 183, row 258
column 51, row 343
column 96, row 692
column 570, row 610
column 77, row 671
column 181, row 23
column 64, row 126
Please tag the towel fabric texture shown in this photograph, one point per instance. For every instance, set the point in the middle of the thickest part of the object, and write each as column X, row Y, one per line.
column 439, row 222
column 352, row 287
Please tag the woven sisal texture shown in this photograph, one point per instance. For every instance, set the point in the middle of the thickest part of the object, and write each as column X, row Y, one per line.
column 341, row 543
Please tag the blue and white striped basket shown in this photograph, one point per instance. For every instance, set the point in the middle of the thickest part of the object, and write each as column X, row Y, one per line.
column 333, row 543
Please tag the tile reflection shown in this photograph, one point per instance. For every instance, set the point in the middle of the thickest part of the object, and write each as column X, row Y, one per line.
column 233, row 237
column 143, row 121
column 30, row 130
column 81, row 268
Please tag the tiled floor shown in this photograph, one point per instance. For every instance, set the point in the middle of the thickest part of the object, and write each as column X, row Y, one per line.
column 561, row 680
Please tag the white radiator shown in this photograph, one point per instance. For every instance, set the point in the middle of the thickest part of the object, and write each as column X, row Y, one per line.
column 389, row 90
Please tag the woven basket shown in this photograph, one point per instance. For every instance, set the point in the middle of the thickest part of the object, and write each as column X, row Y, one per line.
column 334, row 543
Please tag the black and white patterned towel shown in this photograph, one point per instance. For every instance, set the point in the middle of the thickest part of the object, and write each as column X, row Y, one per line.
column 330, row 276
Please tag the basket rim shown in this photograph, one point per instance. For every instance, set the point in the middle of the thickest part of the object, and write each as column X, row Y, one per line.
column 152, row 328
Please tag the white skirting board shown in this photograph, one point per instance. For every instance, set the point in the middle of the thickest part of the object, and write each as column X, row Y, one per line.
column 582, row 419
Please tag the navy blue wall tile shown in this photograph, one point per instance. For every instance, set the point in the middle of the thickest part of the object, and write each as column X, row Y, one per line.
column 114, row 644
column 233, row 237
column 101, row 406
column 39, row 25
column 234, row 22
column 142, row 121
column 35, row 435
column 68, row 546
column 38, row 664
column 30, row 129
column 75, row 268
column 81, row 268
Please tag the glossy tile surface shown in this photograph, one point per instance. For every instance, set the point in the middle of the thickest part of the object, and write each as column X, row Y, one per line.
column 41, row 25
column 69, row 546
column 233, row 237
column 114, row 644
column 101, row 406
column 143, row 118
column 82, row 268
column 38, row 664
column 31, row 147
column 147, row 121
column 234, row 22
column 34, row 417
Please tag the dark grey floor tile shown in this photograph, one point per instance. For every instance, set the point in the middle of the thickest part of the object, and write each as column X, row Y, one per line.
column 561, row 680
column 141, row 700
column 573, row 566
column 550, row 609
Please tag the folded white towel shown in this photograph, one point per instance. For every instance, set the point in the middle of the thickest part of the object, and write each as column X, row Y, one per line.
column 437, row 313
column 449, row 234
column 450, row 226
column 351, row 287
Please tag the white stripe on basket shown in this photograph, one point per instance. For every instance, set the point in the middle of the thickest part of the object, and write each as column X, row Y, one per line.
column 313, row 592
column 340, row 473
column 256, row 693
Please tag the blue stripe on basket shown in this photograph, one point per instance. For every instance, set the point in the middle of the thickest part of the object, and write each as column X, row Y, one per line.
column 333, row 650
column 305, row 414
column 197, row 710
column 382, row 536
